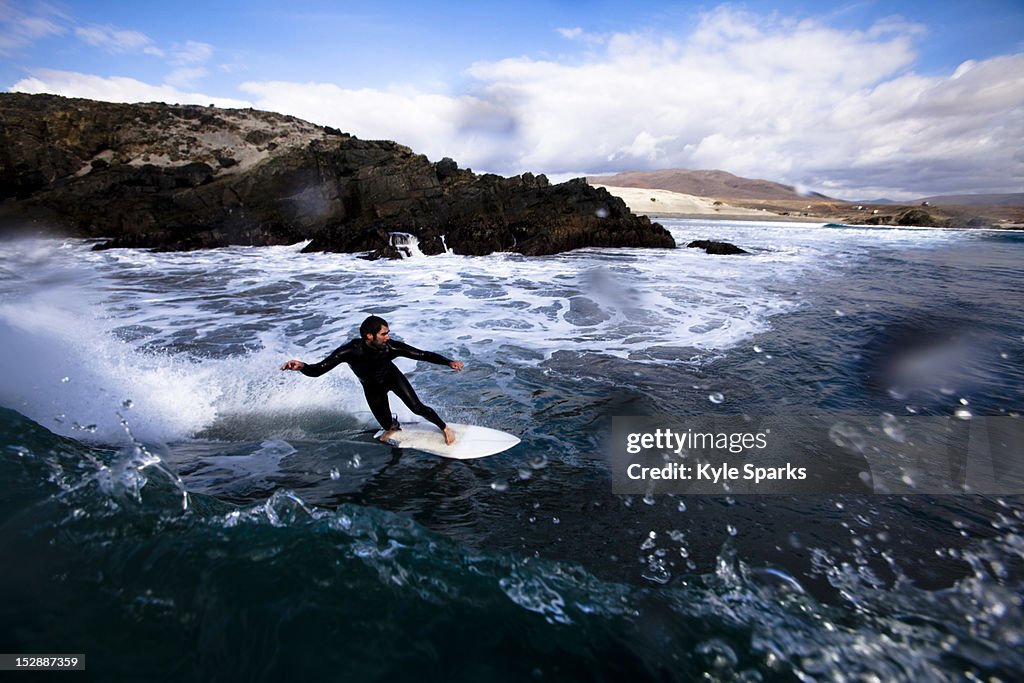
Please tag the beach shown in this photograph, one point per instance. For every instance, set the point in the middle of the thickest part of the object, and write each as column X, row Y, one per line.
column 663, row 203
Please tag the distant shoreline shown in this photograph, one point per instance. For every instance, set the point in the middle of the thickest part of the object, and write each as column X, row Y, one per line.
column 658, row 204
column 775, row 218
column 767, row 217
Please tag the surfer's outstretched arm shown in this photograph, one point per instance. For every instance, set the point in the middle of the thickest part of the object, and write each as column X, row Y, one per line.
column 339, row 356
column 403, row 349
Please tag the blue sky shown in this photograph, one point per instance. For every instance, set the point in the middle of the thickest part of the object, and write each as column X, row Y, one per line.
column 854, row 99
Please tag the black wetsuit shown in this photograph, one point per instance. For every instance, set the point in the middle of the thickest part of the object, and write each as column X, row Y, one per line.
column 379, row 375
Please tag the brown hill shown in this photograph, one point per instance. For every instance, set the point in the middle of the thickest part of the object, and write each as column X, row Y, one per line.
column 784, row 202
column 716, row 184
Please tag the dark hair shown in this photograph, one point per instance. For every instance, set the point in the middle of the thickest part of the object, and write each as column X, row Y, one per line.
column 371, row 326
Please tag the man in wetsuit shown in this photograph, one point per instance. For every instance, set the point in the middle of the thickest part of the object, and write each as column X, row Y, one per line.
column 370, row 358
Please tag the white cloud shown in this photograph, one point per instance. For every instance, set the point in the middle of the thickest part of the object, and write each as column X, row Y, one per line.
column 117, row 41
column 187, row 58
column 464, row 128
column 115, row 89
column 797, row 102
column 19, row 29
column 191, row 52
column 186, row 77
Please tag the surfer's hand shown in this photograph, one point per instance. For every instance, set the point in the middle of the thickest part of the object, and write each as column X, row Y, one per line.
column 456, row 365
column 293, row 365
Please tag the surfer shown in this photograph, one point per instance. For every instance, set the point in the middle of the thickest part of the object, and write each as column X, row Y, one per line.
column 370, row 357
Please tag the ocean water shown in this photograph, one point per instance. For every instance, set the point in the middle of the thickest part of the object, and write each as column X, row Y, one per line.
column 175, row 506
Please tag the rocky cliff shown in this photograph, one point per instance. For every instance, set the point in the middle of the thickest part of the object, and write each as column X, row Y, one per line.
column 190, row 177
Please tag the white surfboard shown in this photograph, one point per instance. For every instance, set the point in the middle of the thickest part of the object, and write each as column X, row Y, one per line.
column 471, row 441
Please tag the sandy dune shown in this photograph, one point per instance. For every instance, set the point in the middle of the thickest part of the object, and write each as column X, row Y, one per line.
column 665, row 203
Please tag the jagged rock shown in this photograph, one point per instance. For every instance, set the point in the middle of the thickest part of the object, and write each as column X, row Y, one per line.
column 189, row 177
column 446, row 168
column 909, row 217
column 717, row 248
column 915, row 217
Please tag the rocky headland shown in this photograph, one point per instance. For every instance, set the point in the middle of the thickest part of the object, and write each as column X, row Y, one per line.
column 176, row 177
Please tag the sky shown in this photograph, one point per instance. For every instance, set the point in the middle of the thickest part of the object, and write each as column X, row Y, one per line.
column 861, row 99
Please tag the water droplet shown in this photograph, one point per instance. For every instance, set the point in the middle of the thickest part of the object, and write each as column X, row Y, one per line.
column 847, row 436
column 65, row 380
column 964, row 402
column 963, row 414
column 657, row 571
column 501, row 486
column 556, row 520
column 718, row 655
column 127, row 403
column 538, row 462
column 757, row 349
column 335, row 474
column 649, row 499
column 898, row 393
column 682, row 506
column 716, row 398
column 893, row 428
column 732, row 530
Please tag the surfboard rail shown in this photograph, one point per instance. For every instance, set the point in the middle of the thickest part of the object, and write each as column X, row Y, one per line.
column 471, row 441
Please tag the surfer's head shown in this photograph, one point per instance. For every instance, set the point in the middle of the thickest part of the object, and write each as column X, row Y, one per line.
column 375, row 331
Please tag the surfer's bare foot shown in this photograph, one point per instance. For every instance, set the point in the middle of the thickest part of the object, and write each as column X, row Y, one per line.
column 386, row 436
column 449, row 436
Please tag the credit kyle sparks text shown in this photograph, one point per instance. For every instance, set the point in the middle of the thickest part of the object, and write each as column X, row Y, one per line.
column 716, row 473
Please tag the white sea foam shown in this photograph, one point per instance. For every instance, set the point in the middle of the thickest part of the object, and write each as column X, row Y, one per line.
column 192, row 337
